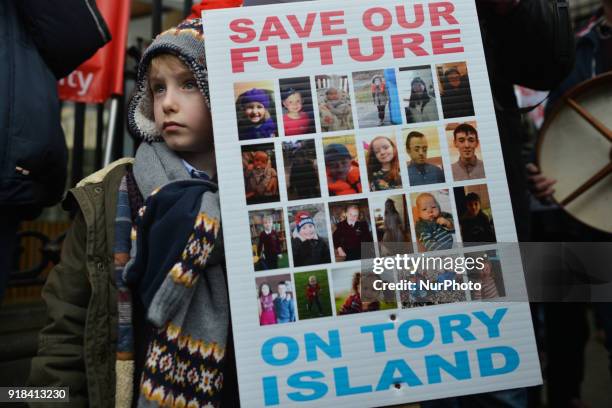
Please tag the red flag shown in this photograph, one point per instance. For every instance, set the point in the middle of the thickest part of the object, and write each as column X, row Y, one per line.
column 101, row 76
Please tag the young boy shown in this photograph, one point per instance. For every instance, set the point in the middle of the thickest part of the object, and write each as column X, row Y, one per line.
column 342, row 171
column 283, row 305
column 168, row 294
column 435, row 228
column 475, row 224
column 268, row 246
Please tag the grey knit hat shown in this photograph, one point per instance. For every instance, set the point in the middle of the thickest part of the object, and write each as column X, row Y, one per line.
column 185, row 41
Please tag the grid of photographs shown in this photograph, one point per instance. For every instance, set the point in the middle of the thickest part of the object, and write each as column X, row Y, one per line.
column 341, row 168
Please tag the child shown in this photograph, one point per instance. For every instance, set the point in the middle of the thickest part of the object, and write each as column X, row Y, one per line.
column 313, row 289
column 303, row 176
column 380, row 97
column 174, row 276
column 268, row 247
column 488, row 289
column 435, row 228
column 342, row 171
column 335, row 111
column 267, row 315
column 283, row 304
column 383, row 164
column 352, row 304
column 261, row 182
column 255, row 121
column 475, row 224
column 296, row 121
column 308, row 248
column 421, row 107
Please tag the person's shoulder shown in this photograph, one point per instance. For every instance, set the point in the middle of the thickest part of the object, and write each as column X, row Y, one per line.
column 105, row 173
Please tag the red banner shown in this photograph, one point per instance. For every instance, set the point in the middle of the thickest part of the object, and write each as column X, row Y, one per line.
column 102, row 75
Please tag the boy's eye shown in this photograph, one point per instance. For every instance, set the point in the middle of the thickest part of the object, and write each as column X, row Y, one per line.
column 191, row 84
column 158, row 88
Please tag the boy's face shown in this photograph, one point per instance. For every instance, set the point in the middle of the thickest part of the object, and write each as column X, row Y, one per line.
column 454, row 79
column 293, row 103
column 418, row 87
column 466, row 144
column 312, row 280
column 267, row 224
column 181, row 115
column 428, row 208
column 332, row 94
column 254, row 111
column 260, row 162
column 417, row 149
column 352, row 215
column 282, row 290
column 473, row 208
column 307, row 231
column 339, row 169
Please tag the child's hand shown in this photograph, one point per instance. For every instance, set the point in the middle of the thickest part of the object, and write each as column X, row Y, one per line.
column 272, row 186
column 444, row 222
column 341, row 252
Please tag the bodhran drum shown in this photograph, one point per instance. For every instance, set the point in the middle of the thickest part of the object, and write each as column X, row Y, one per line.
column 575, row 148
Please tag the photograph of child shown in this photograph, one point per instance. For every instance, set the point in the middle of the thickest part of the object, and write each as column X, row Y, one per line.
column 490, row 277
column 341, row 165
column 296, row 99
column 464, row 151
column 275, row 299
column 309, row 241
column 424, row 297
column 455, row 90
column 255, row 110
column 334, row 101
column 301, row 174
column 313, row 297
column 392, row 224
column 351, row 229
column 383, row 163
column 425, row 165
column 260, row 176
column 474, row 212
column 268, row 239
column 434, row 225
column 354, row 292
column 417, row 92
column 376, row 98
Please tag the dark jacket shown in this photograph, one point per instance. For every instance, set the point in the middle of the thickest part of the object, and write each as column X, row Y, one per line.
column 527, row 47
column 38, row 46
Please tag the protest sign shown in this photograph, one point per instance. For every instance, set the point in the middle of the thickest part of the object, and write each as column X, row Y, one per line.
column 341, row 130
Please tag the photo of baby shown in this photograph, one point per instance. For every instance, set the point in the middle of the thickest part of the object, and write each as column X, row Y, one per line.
column 434, row 225
column 260, row 176
column 423, row 297
column 425, row 164
column 455, row 90
column 301, row 173
column 475, row 215
column 309, row 240
column 351, row 230
column 464, row 145
column 382, row 163
column 392, row 224
column 268, row 241
column 341, row 165
column 490, row 277
column 416, row 89
column 334, row 101
column 275, row 299
column 296, row 99
column 354, row 291
column 376, row 98
column 312, row 293
column 255, row 110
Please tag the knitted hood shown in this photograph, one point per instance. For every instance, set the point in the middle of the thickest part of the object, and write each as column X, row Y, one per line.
column 185, row 41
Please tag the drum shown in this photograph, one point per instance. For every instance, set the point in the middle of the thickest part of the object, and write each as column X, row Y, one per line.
column 575, row 148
